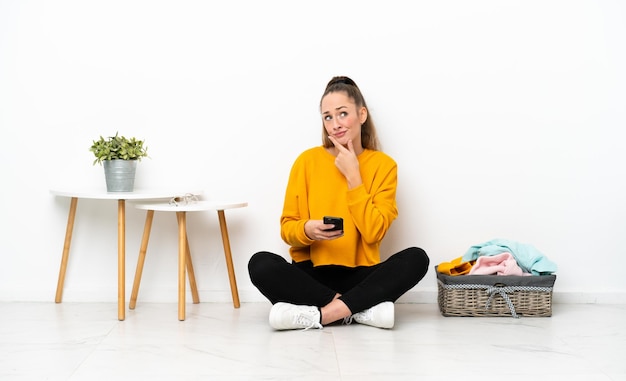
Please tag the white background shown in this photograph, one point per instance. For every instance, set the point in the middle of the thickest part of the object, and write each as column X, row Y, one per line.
column 506, row 118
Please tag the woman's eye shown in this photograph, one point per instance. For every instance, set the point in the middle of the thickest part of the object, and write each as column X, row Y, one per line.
column 328, row 117
column 343, row 114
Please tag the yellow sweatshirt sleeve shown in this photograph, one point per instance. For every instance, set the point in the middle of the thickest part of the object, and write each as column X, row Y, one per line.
column 295, row 212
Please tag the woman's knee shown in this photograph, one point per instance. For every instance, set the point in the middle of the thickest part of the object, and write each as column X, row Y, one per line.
column 261, row 263
column 415, row 258
column 422, row 262
column 420, row 255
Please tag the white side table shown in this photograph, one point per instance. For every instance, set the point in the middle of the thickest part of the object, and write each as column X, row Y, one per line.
column 121, row 197
column 184, row 256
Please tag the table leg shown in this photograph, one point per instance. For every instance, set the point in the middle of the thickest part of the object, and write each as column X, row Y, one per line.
column 190, row 272
column 66, row 249
column 182, row 254
column 229, row 258
column 121, row 259
column 142, row 258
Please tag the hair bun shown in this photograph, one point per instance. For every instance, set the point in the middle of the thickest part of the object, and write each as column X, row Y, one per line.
column 341, row 79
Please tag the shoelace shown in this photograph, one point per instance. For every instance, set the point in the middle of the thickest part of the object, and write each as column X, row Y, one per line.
column 363, row 316
column 366, row 315
column 306, row 322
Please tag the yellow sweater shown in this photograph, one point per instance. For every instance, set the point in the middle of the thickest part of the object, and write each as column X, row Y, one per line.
column 316, row 189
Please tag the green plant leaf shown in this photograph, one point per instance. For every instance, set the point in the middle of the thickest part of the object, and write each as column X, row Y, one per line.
column 118, row 148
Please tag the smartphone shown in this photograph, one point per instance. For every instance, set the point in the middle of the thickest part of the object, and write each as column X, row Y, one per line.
column 337, row 221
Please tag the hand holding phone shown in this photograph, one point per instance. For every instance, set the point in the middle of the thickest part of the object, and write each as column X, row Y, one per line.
column 337, row 221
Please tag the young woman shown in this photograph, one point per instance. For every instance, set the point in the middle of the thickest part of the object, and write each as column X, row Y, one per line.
column 338, row 274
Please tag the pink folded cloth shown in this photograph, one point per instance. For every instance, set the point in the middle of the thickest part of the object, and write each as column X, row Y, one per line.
column 499, row 264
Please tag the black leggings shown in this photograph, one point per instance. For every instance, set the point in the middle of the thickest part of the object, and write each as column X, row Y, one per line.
column 360, row 287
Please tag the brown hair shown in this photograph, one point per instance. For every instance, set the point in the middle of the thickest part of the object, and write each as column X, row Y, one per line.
column 369, row 139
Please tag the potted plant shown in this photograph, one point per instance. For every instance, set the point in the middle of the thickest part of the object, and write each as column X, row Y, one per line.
column 119, row 156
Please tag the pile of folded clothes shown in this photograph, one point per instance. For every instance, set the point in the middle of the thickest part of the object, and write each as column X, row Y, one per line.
column 499, row 257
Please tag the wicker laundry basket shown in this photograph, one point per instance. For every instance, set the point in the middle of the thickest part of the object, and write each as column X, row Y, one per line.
column 495, row 295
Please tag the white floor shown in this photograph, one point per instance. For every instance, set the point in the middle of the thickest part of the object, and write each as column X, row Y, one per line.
column 85, row 341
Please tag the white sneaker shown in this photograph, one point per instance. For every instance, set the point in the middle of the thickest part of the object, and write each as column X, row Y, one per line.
column 291, row 316
column 381, row 316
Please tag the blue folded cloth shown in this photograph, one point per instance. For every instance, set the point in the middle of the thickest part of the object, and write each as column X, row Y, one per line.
column 527, row 256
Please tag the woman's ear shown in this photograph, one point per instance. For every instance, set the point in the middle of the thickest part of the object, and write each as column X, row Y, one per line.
column 363, row 114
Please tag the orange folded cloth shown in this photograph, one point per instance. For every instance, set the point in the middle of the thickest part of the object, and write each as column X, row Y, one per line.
column 455, row 267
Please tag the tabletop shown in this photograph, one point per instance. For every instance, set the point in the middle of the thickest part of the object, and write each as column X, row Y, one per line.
column 138, row 194
column 191, row 206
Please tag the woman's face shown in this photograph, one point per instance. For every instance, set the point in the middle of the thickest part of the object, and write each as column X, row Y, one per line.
column 342, row 120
